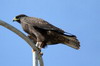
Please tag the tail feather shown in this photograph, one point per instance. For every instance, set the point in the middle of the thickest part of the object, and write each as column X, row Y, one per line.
column 72, row 41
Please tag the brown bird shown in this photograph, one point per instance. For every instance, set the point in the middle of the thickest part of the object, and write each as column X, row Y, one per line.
column 43, row 33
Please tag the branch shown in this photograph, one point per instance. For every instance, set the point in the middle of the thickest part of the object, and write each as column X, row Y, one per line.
column 23, row 36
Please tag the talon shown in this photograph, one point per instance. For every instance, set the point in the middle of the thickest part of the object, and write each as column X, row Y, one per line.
column 41, row 53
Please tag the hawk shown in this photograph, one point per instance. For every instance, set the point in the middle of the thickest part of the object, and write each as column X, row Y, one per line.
column 43, row 33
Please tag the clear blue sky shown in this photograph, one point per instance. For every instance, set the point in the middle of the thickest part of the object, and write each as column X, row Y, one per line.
column 79, row 17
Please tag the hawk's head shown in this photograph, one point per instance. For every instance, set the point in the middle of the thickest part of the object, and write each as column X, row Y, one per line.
column 18, row 17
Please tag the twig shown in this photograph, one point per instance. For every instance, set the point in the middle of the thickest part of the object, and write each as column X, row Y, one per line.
column 23, row 36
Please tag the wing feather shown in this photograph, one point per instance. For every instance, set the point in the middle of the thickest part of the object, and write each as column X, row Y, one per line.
column 40, row 23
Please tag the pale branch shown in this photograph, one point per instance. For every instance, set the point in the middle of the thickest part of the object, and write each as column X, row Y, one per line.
column 23, row 36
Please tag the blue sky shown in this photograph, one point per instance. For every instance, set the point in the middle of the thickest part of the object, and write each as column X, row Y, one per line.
column 79, row 17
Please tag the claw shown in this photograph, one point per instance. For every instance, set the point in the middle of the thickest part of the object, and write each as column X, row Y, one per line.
column 41, row 53
column 38, row 45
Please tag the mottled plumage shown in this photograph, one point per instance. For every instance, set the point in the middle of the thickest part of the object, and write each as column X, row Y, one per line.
column 43, row 33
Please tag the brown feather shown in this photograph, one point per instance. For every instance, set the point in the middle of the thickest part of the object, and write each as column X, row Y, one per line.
column 40, row 30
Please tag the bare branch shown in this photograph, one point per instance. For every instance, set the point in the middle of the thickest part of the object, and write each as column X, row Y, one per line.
column 23, row 36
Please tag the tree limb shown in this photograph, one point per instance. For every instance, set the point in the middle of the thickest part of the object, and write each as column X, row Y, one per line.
column 23, row 36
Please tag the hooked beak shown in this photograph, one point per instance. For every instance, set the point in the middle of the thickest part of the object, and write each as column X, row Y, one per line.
column 15, row 19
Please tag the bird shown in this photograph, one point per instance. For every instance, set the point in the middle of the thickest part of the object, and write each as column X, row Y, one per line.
column 42, row 33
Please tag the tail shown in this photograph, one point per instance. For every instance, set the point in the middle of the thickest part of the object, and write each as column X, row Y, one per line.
column 72, row 41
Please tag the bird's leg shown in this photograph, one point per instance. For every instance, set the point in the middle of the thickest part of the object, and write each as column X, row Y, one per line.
column 39, row 37
column 38, row 44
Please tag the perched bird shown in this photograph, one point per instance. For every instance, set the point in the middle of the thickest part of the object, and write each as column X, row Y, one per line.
column 43, row 33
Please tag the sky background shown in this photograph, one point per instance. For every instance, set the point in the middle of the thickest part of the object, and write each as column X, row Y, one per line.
column 79, row 17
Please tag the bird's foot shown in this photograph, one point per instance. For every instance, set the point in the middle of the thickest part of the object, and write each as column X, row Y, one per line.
column 38, row 45
column 41, row 53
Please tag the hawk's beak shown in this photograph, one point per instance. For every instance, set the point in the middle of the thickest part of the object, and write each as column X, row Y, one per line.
column 15, row 19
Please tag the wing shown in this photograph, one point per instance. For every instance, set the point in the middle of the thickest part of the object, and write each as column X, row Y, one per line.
column 40, row 23
column 32, row 31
